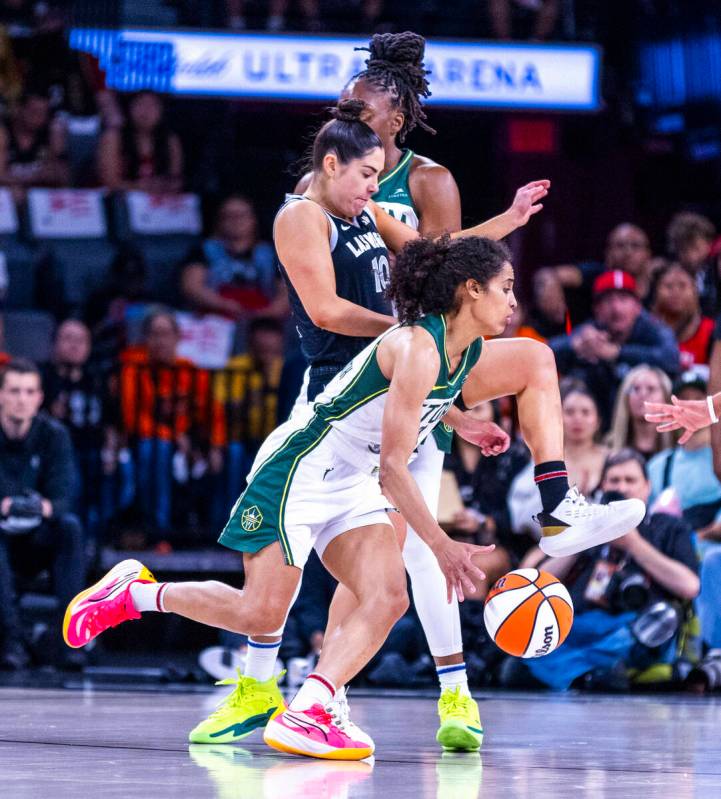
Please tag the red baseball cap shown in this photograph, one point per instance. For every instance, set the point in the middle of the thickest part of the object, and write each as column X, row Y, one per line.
column 614, row 280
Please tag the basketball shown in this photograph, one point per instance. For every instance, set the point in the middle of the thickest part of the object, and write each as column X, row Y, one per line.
column 528, row 613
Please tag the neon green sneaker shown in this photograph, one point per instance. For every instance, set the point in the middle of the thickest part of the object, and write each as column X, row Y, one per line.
column 461, row 728
column 249, row 707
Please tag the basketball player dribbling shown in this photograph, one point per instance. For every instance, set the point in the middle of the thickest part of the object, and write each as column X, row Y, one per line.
column 315, row 481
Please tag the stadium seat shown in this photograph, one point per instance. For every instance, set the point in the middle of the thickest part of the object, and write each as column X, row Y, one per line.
column 71, row 229
column 163, row 248
column 29, row 334
column 21, row 264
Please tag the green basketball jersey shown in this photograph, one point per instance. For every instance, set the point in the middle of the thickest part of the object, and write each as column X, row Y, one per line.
column 394, row 196
column 351, row 407
column 354, row 401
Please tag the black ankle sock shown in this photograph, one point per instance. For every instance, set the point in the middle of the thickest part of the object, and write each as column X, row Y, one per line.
column 552, row 480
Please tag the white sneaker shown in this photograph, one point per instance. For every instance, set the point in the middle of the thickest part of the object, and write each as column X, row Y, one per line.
column 340, row 711
column 577, row 524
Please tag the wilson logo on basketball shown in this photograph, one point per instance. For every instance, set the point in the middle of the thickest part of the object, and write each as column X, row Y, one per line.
column 547, row 640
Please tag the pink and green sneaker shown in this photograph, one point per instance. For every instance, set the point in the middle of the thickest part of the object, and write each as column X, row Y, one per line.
column 315, row 733
column 106, row 604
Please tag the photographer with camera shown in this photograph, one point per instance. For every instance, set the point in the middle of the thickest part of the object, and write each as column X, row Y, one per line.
column 627, row 595
column 38, row 485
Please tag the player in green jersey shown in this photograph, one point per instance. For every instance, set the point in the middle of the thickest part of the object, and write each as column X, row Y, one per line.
column 310, row 486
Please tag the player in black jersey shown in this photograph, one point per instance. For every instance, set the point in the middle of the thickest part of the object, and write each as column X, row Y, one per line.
column 423, row 194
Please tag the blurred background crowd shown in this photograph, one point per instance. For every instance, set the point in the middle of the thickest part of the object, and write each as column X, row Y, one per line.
column 148, row 349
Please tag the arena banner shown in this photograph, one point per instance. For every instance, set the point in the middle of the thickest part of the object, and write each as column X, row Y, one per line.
column 486, row 74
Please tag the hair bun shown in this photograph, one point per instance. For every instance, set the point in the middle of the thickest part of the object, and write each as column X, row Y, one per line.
column 348, row 110
column 405, row 48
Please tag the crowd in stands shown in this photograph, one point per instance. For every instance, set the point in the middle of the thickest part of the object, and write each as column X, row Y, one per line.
column 164, row 357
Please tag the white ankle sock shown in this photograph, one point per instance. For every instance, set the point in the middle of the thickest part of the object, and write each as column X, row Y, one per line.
column 148, row 596
column 260, row 660
column 316, row 690
column 453, row 676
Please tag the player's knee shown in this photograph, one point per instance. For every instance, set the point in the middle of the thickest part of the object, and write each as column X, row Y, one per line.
column 542, row 357
column 268, row 617
column 391, row 601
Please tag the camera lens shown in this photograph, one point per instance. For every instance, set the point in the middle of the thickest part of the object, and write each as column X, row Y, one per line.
column 634, row 592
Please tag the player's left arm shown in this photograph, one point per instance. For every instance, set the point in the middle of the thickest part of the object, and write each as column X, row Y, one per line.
column 411, row 361
column 526, row 204
column 435, row 194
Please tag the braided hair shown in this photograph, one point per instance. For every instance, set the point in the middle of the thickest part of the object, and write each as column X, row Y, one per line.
column 346, row 135
column 428, row 272
column 396, row 66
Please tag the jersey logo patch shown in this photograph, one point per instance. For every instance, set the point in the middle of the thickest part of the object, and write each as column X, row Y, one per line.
column 251, row 519
column 344, row 227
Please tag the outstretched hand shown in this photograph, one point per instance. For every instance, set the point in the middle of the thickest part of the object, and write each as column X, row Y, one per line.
column 455, row 560
column 491, row 439
column 527, row 201
column 687, row 415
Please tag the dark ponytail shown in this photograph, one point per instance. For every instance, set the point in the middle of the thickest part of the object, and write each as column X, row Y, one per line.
column 428, row 272
column 396, row 66
column 346, row 135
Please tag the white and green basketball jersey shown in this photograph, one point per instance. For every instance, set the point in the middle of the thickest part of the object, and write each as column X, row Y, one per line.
column 394, row 193
column 354, row 401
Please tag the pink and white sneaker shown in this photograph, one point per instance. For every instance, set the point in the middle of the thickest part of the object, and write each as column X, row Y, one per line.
column 105, row 604
column 314, row 733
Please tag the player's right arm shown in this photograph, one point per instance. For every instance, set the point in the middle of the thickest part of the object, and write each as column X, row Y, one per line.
column 301, row 241
column 409, row 358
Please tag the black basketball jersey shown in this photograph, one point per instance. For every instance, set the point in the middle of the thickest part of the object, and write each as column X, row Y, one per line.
column 360, row 263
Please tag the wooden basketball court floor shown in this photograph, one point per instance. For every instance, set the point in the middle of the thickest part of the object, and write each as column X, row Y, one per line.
column 132, row 743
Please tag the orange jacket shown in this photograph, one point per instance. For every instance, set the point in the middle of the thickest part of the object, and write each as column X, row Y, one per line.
column 167, row 401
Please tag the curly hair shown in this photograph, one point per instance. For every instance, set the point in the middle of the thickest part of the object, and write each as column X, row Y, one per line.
column 428, row 272
column 396, row 66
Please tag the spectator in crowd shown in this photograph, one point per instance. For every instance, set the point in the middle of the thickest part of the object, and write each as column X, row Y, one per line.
column 675, row 302
column 548, row 315
column 627, row 249
column 32, row 146
column 611, row 586
column 166, row 411
column 620, row 335
column 690, row 239
column 37, row 488
column 76, row 395
column 117, row 306
column 234, row 273
column 144, row 154
column 524, row 19
column 583, row 454
column 688, row 469
column 483, row 485
column 629, row 427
